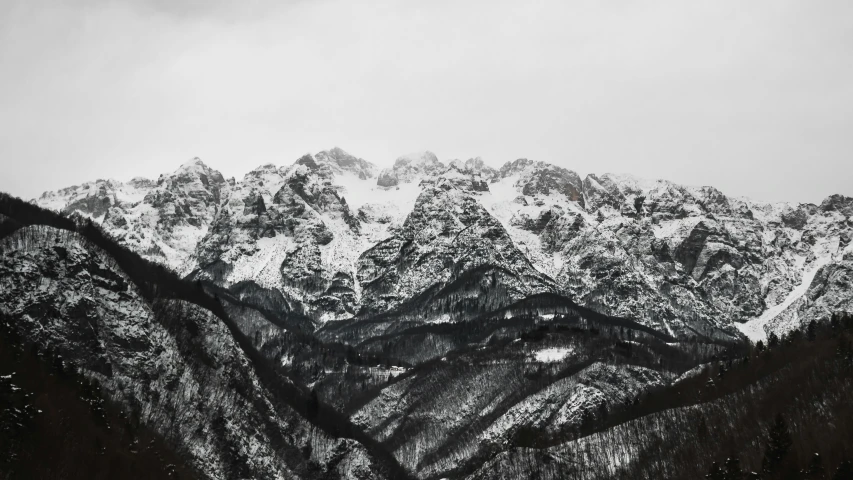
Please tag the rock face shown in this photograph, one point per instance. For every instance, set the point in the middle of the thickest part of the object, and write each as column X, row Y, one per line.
column 334, row 237
column 439, row 429
column 539, row 178
column 437, row 308
column 163, row 220
column 410, row 168
column 450, row 251
column 172, row 364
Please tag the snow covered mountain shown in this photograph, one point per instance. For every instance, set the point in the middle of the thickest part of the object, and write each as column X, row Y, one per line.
column 335, row 238
column 328, row 319
column 170, row 363
column 163, row 220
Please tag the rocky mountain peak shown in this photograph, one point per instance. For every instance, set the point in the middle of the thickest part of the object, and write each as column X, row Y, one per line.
column 537, row 177
column 91, row 199
column 514, row 166
column 460, row 178
column 341, row 162
column 418, row 159
column 266, row 168
column 475, row 165
column 191, row 174
column 677, row 257
column 141, row 182
column 838, row 203
column 308, row 161
column 601, row 191
column 193, row 163
column 411, row 168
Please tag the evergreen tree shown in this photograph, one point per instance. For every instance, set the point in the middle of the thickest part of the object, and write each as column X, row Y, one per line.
column 702, row 430
column 793, row 336
column 811, row 331
column 715, row 473
column 844, row 471
column 773, row 340
column 732, row 468
column 815, row 470
column 778, row 444
column 844, row 349
column 313, row 407
column 602, row 411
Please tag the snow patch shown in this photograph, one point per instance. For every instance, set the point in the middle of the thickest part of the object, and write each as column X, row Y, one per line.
column 755, row 328
column 553, row 354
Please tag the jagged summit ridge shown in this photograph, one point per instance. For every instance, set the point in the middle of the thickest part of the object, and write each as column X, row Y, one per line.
column 320, row 231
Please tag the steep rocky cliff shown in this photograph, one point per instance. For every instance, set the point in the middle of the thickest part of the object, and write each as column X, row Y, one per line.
column 333, row 237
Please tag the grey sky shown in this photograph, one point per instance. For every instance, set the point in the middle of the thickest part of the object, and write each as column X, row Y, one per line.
column 755, row 98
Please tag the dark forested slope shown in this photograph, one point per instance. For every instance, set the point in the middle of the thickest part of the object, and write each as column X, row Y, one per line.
column 168, row 352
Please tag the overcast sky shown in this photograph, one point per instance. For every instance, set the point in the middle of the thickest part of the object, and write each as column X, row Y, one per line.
column 753, row 97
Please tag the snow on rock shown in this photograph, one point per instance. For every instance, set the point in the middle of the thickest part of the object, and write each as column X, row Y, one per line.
column 756, row 329
column 163, row 220
column 411, row 168
column 685, row 260
column 567, row 402
column 174, row 364
column 553, row 354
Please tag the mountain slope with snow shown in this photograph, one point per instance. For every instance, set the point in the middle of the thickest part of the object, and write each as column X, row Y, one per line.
column 331, row 319
column 333, row 237
column 170, row 363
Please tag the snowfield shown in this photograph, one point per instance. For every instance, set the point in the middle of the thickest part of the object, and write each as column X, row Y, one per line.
column 554, row 354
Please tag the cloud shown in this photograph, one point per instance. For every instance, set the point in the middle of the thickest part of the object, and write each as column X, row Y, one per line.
column 710, row 93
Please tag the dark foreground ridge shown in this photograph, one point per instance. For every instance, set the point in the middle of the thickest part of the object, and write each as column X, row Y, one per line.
column 156, row 282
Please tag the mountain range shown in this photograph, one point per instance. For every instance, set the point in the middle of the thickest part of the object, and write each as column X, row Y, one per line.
column 431, row 320
column 335, row 238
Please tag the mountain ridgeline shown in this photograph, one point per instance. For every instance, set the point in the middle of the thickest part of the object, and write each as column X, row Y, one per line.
column 333, row 238
column 330, row 319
